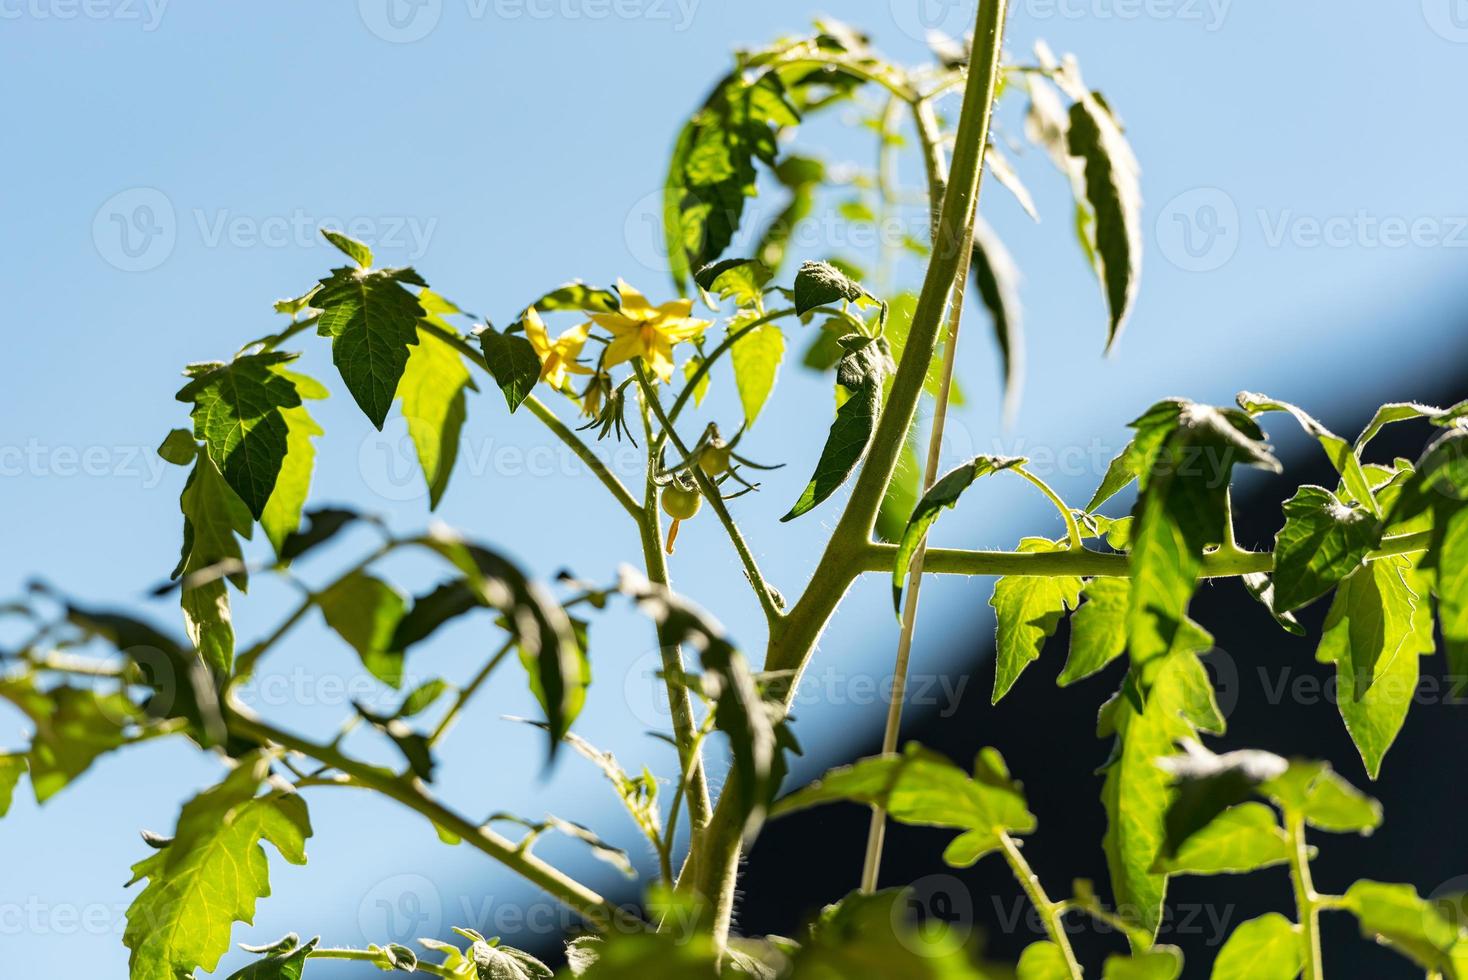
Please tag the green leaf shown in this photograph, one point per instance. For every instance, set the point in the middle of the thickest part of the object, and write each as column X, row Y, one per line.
column 1449, row 558
column 282, row 516
column 1323, row 540
column 239, row 415
column 1324, row 799
column 996, row 280
column 1206, row 787
column 372, row 321
column 577, row 295
column 742, row 280
column 1241, row 838
column 73, row 727
column 181, row 684
column 422, row 697
column 1397, row 916
column 820, row 284
column 1341, row 453
column 1098, row 628
column 1163, row 702
column 639, row 794
column 215, row 518
column 861, row 372
column 650, row 956
column 1378, row 625
column 1112, row 233
column 539, row 625
column 1261, row 587
column 504, row 963
column 1267, row 948
column 322, row 524
column 1028, row 610
column 281, row 964
column 513, row 363
column 1157, row 963
column 901, row 495
column 353, row 249
column 12, row 767
column 712, row 170
column 756, row 359
column 1003, row 171
column 433, row 392
column 1403, row 412
column 211, row 874
column 1042, row 960
column 923, row 788
column 872, row 936
column 690, row 368
column 1182, row 510
column 178, row 447
column 365, row 611
column 944, row 493
column 414, row 746
column 1134, row 462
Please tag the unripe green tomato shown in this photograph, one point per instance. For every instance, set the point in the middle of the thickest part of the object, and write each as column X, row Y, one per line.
column 714, row 460
column 680, row 504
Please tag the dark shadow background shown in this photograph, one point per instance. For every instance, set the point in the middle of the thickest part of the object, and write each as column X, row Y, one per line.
column 1047, row 735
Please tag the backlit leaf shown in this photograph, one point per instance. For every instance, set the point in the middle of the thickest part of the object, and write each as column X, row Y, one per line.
column 1398, row 917
column 1378, row 625
column 433, row 390
column 756, row 358
column 1323, row 540
column 215, row 518
column 72, row 728
column 365, row 611
column 211, row 875
column 1028, row 610
column 1267, row 948
column 282, row 515
column 1324, row 799
column 1241, row 838
column 1098, row 628
column 1157, row 963
column 872, row 936
column 1341, row 453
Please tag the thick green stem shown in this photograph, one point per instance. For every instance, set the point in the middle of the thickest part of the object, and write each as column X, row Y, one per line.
column 793, row 637
column 378, row 959
column 1306, row 900
column 1051, row 913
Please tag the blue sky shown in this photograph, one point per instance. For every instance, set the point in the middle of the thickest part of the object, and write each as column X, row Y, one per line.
column 168, row 165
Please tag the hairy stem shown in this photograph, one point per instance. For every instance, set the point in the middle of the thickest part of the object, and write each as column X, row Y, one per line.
column 1306, row 900
column 378, row 959
column 793, row 637
column 1051, row 913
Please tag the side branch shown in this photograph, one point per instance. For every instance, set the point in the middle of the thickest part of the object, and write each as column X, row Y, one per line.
column 597, row 910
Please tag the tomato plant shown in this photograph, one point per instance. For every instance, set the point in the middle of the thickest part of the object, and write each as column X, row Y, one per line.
column 1389, row 543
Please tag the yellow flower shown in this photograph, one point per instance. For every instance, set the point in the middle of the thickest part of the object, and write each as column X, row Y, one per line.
column 642, row 330
column 557, row 357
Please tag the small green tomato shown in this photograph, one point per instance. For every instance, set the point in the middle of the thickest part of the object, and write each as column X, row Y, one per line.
column 714, row 460
column 679, row 503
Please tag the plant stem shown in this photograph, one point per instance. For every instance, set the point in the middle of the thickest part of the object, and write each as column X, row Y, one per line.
column 1084, row 563
column 680, row 701
column 1072, row 528
column 1306, row 900
column 558, row 428
column 1051, row 913
column 377, row 959
column 793, row 637
column 708, row 362
column 469, row 690
column 410, row 793
column 716, row 501
column 876, row 834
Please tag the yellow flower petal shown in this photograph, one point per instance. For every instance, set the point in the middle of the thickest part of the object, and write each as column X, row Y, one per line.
column 659, row 357
column 623, row 348
column 679, row 308
column 535, row 332
column 634, row 305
